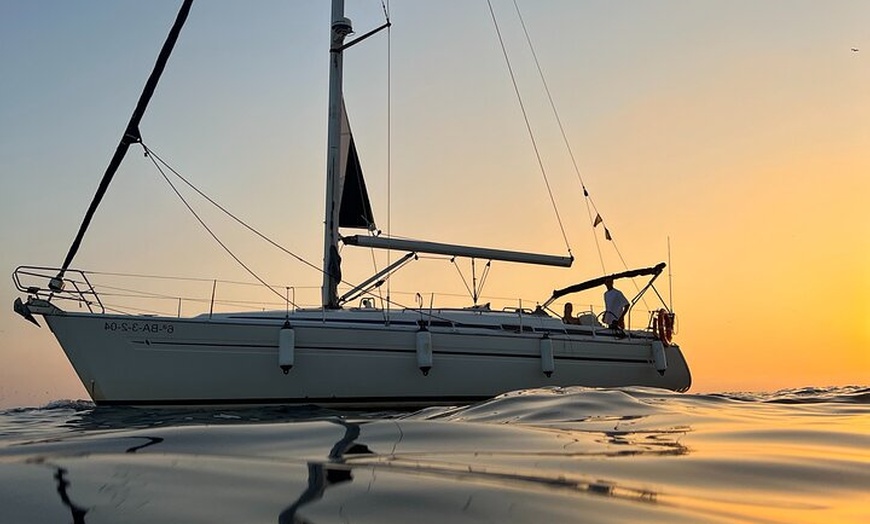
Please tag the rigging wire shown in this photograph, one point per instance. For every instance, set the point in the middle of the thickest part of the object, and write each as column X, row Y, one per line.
column 587, row 198
column 130, row 293
column 586, row 195
column 458, row 270
column 529, row 126
column 138, row 293
column 386, row 7
column 184, row 279
column 485, row 274
column 476, row 288
column 154, row 160
column 590, row 203
column 226, row 211
column 152, row 156
column 375, row 266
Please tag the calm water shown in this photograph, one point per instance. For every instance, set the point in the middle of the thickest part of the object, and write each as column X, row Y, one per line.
column 536, row 456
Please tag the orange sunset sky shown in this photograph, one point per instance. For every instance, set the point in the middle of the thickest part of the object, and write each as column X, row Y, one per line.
column 739, row 130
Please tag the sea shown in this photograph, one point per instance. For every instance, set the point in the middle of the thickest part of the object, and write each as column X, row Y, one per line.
column 533, row 456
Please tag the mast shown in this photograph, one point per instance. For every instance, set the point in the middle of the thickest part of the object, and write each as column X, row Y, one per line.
column 340, row 28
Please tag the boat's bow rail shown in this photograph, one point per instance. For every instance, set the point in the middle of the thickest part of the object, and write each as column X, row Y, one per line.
column 48, row 283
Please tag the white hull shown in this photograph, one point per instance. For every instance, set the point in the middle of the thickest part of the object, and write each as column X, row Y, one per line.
column 346, row 357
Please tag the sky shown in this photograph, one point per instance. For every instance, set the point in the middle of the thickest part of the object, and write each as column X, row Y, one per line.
column 737, row 132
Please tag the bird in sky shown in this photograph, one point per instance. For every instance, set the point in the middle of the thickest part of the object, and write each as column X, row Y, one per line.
column 854, row 49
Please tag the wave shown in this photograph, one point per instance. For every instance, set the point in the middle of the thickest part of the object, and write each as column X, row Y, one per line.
column 548, row 406
column 534, row 407
column 54, row 405
column 807, row 395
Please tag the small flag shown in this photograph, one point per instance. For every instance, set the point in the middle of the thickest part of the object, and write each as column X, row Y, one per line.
column 597, row 221
column 607, row 234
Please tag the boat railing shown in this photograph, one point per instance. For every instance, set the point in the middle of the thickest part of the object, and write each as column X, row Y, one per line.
column 152, row 295
column 45, row 283
column 172, row 296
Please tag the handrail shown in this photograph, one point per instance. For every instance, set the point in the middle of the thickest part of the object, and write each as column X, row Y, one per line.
column 76, row 289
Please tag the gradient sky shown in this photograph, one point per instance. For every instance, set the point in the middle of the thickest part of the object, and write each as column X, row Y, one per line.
column 738, row 129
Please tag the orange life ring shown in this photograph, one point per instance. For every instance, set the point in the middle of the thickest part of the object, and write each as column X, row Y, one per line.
column 664, row 326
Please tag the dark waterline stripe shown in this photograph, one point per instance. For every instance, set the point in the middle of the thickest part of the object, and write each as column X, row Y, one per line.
column 408, row 351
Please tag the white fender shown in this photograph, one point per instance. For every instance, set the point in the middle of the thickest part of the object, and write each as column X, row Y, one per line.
column 424, row 351
column 286, row 348
column 659, row 356
column 548, row 364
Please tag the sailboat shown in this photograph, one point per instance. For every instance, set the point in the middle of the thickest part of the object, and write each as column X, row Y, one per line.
column 341, row 354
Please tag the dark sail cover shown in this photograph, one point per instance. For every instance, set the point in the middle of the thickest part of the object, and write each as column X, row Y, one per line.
column 131, row 134
column 355, row 210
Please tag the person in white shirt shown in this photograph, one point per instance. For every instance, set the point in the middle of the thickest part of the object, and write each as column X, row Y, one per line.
column 615, row 306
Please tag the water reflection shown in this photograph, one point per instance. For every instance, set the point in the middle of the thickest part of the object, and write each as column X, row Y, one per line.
column 78, row 513
column 150, row 442
column 323, row 475
column 518, row 448
column 450, row 466
column 111, row 417
column 661, row 442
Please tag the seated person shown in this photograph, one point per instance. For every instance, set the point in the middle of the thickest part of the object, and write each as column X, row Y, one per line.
column 568, row 316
